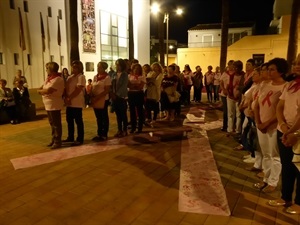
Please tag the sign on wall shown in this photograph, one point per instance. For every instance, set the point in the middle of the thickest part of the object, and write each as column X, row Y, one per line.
column 88, row 26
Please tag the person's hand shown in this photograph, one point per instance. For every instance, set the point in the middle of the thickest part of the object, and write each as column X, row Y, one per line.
column 263, row 127
column 67, row 101
column 289, row 139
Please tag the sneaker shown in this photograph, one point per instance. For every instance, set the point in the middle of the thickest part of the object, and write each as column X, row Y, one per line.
column 55, row 146
column 97, row 138
column 68, row 140
column 268, row 189
column 261, row 174
column 253, row 169
column 249, row 160
column 247, row 156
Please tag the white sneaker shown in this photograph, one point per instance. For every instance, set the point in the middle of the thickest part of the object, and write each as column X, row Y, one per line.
column 249, row 160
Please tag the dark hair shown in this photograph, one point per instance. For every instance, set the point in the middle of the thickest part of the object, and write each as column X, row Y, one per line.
column 90, row 80
column 281, row 65
column 238, row 64
column 79, row 64
column 139, row 69
column 187, row 66
column 252, row 61
column 172, row 66
column 122, row 64
column 53, row 66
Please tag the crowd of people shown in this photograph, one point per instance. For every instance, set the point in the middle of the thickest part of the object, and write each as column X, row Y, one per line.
column 261, row 110
column 15, row 102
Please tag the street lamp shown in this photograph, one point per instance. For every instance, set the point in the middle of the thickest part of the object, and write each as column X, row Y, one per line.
column 155, row 8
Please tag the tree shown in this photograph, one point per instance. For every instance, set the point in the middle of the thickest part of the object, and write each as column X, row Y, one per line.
column 74, row 52
column 224, row 33
column 130, row 27
column 293, row 34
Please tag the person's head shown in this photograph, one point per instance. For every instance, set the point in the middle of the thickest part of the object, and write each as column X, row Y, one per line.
column 157, row 68
column 146, row 68
column 256, row 78
column 217, row 69
column 19, row 73
column 137, row 69
column 65, row 72
column 209, row 68
column 102, row 67
column 278, row 67
column 250, row 65
column 230, row 65
column 77, row 67
column 121, row 65
column 187, row 68
column 238, row 66
column 3, row 83
column 90, row 81
column 264, row 75
column 296, row 66
column 171, row 69
column 198, row 68
column 52, row 67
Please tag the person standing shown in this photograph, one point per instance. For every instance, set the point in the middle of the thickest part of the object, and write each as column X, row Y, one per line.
column 208, row 81
column 52, row 91
column 288, row 122
column 216, row 84
column 119, row 95
column 197, row 84
column 266, row 124
column 100, row 100
column 75, row 102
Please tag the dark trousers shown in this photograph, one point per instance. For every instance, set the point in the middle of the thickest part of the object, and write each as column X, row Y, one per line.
column 102, row 120
column 249, row 137
column 198, row 93
column 209, row 91
column 75, row 114
column 54, row 118
column 136, row 108
column 120, row 107
column 225, row 115
column 216, row 92
column 289, row 172
column 151, row 105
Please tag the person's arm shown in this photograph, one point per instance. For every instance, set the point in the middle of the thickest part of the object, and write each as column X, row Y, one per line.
column 280, row 117
column 47, row 91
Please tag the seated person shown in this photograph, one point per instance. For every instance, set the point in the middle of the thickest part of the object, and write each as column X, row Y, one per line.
column 22, row 100
column 19, row 76
column 7, row 102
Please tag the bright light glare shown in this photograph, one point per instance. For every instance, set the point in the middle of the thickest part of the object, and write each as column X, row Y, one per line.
column 155, row 8
column 179, row 11
column 171, row 47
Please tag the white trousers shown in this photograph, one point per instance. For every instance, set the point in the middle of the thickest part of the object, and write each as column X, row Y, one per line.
column 271, row 164
column 234, row 114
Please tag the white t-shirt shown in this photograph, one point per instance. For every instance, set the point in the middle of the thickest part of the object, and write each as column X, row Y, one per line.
column 71, row 84
column 136, row 80
column 55, row 100
column 291, row 103
column 268, row 98
column 98, row 86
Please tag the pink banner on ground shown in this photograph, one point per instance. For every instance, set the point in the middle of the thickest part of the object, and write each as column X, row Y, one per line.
column 59, row 155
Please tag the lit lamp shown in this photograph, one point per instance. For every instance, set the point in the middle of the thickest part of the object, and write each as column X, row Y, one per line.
column 155, row 8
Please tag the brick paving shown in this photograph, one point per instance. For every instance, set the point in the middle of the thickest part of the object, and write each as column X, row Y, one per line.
column 136, row 184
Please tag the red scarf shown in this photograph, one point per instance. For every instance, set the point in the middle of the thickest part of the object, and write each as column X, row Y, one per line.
column 296, row 86
column 51, row 77
column 101, row 76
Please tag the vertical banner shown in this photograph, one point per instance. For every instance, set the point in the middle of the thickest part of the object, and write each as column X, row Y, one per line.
column 58, row 32
column 21, row 33
column 42, row 33
column 88, row 25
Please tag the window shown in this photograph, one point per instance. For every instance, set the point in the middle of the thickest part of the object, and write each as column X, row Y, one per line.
column 1, row 58
column 16, row 58
column 89, row 66
column 49, row 12
column 62, row 60
column 60, row 14
column 25, row 4
column 12, row 4
column 29, row 59
column 51, row 58
column 259, row 59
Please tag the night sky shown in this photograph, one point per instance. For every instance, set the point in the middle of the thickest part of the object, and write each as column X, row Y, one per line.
column 209, row 11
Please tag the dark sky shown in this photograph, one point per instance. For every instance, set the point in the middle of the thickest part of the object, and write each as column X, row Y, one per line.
column 209, row 11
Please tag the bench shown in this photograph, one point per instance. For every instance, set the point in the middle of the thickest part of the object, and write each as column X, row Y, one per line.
column 30, row 115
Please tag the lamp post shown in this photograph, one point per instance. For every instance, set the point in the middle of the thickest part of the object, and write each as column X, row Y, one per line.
column 155, row 8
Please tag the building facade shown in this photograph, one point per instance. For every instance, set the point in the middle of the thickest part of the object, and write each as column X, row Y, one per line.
column 34, row 32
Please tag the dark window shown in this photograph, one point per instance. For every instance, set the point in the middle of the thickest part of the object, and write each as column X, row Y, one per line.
column 12, row 4
column 60, row 14
column 259, row 59
column 62, row 60
column 25, row 3
column 89, row 66
column 51, row 58
column 49, row 12
column 29, row 59
column 16, row 58
column 1, row 58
